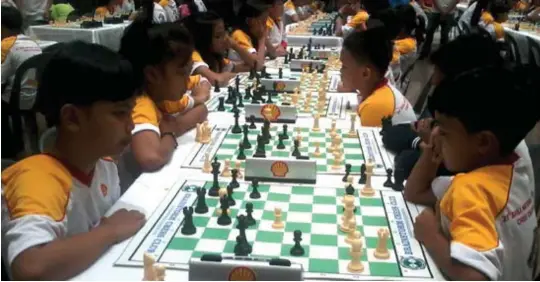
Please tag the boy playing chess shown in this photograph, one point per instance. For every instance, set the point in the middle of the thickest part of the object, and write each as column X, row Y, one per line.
column 486, row 225
column 53, row 206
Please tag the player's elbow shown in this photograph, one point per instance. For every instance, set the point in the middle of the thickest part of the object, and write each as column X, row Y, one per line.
column 150, row 162
column 33, row 271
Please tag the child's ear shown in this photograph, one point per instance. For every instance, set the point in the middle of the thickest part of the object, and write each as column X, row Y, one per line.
column 70, row 117
column 487, row 142
column 150, row 74
column 366, row 72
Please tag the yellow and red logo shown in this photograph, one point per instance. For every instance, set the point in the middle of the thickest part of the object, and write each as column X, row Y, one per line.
column 104, row 190
column 279, row 85
column 279, row 169
column 270, row 112
column 242, row 273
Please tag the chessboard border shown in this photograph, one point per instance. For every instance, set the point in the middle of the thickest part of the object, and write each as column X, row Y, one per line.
column 127, row 256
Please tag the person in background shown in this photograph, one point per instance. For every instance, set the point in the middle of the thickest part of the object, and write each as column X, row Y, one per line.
column 16, row 49
column 60, row 10
column 54, row 205
column 492, row 19
column 249, row 37
column 34, row 11
column 440, row 14
column 276, row 43
column 291, row 11
column 107, row 8
column 351, row 17
column 127, row 7
column 405, row 43
column 171, row 10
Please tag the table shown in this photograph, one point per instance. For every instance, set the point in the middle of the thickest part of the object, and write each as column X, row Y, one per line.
column 109, row 35
column 45, row 43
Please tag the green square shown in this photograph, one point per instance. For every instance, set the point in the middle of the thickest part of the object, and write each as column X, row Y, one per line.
column 208, row 185
column 281, row 153
column 351, row 145
column 344, row 253
column 212, row 201
column 233, row 136
column 302, row 190
column 238, row 196
column 278, row 197
column 322, row 168
column 300, row 208
column 320, row 156
column 257, row 205
column 317, row 134
column 200, row 221
column 229, row 146
column 222, row 156
column 371, row 202
column 325, row 218
column 324, row 240
column 214, row 233
column 247, row 152
column 292, row 226
column 263, row 188
column 323, row 265
column 354, row 156
column 198, row 254
column 183, row 243
column 384, row 269
column 269, row 215
column 229, row 247
column 326, row 200
column 374, row 220
column 286, row 251
column 371, row 243
column 269, row 237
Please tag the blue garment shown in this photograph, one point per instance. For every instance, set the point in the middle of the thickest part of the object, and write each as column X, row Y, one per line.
column 395, row 3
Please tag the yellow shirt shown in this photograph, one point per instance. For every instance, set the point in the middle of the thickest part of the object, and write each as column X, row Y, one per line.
column 358, row 19
column 102, row 11
column 402, row 47
column 494, row 28
column 7, row 43
column 244, row 41
column 198, row 62
column 290, row 8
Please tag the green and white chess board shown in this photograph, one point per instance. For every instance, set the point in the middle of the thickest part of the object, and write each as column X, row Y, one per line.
column 316, row 211
column 364, row 146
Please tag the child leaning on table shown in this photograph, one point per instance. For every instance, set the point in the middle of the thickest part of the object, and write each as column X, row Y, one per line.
column 365, row 59
column 486, row 225
column 53, row 205
column 161, row 58
column 276, row 42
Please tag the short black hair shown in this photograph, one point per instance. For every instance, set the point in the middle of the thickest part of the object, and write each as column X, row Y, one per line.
column 201, row 26
column 497, row 7
column 503, row 100
column 371, row 46
column 82, row 74
column 12, row 19
column 465, row 53
column 148, row 44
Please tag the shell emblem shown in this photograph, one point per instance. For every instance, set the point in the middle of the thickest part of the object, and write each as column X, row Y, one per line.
column 270, row 112
column 242, row 273
column 279, row 85
column 279, row 169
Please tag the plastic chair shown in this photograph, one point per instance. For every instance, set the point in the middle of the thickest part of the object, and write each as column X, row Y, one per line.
column 47, row 139
column 534, row 152
column 534, row 51
column 513, row 48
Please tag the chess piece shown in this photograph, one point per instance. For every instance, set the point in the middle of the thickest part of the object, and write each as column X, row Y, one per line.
column 203, row 133
column 201, row 206
column 249, row 211
column 245, row 142
column 234, row 183
column 352, row 130
column 297, row 250
column 238, row 166
column 349, row 190
column 248, row 93
column 362, row 179
column 348, row 214
column 381, row 252
column 213, row 192
column 240, row 103
column 252, row 122
column 207, row 166
column 241, row 154
column 159, row 270
column 188, row 228
column 316, row 127
column 347, row 172
column 224, row 218
column 221, row 105
column 280, row 145
column 230, row 200
column 355, row 265
column 317, row 152
column 351, row 235
column 296, row 151
column 149, row 271
column 216, row 87
column 336, row 162
column 278, row 223
column 260, row 151
column 236, row 128
column 254, row 190
column 240, row 247
column 399, row 178
column 388, row 183
column 284, row 133
column 226, row 169
column 222, row 194
column 368, row 190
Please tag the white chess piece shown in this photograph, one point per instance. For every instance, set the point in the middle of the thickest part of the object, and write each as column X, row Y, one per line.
column 148, row 270
column 368, row 190
column 355, row 265
column 317, row 152
column 198, row 133
column 348, row 214
column 222, row 192
column 207, row 166
column 316, row 127
column 278, row 223
column 160, row 272
column 238, row 166
column 381, row 252
column 351, row 235
column 352, row 130
column 337, row 161
column 226, row 169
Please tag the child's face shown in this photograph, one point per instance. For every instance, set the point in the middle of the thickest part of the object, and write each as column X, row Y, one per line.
column 219, row 39
column 169, row 80
column 258, row 24
column 276, row 11
column 353, row 75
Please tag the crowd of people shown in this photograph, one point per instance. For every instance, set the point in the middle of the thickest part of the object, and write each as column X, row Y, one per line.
column 120, row 113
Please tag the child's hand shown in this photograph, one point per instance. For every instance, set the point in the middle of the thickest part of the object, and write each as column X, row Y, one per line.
column 423, row 128
column 201, row 92
column 224, row 78
column 280, row 51
column 425, row 225
column 124, row 223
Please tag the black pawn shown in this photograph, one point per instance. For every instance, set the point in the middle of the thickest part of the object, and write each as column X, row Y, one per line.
column 221, row 105
column 240, row 102
column 249, row 211
column 269, row 99
column 216, row 87
column 348, row 106
column 260, row 151
column 297, row 250
column 248, row 93
column 241, row 153
column 296, row 151
column 236, row 128
column 388, row 183
column 188, row 228
column 234, row 105
column 255, row 190
column 201, row 206
column 286, row 61
column 214, row 190
column 240, row 247
column 251, row 74
column 229, row 95
column 347, row 172
column 349, row 190
column 399, row 178
column 252, row 122
column 230, row 199
column 284, row 133
column 224, row 218
column 280, row 73
column 280, row 145
column 245, row 142
column 234, row 183
column 363, row 176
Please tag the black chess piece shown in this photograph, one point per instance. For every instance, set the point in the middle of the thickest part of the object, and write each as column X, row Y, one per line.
column 286, row 61
column 240, row 103
column 245, row 141
column 347, row 172
column 255, row 190
column 348, row 105
column 260, row 151
column 310, row 67
column 214, row 190
column 242, row 226
column 236, row 128
column 386, row 124
column 201, row 206
column 363, row 176
column 234, row 105
column 229, row 95
column 297, row 250
column 188, row 228
column 234, row 182
column 264, row 74
column 241, row 154
column 349, row 190
column 399, row 178
column 280, row 73
column 252, row 73
column 296, row 151
column 284, row 133
column 240, row 247
column 237, row 83
column 388, row 183
column 252, row 122
column 269, row 99
column 248, row 93
column 216, row 87
column 249, row 211
column 224, row 218
column 221, row 105
column 230, row 199
column 280, row 145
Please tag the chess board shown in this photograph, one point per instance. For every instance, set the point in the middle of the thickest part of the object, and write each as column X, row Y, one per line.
column 366, row 145
column 313, row 210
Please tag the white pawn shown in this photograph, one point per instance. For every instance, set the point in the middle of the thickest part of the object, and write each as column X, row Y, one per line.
column 352, row 130
column 148, row 270
column 367, row 190
column 316, row 127
column 278, row 223
column 160, row 272
column 226, row 169
column 355, row 265
column 207, row 166
column 198, row 133
column 353, row 233
column 381, row 252
column 317, row 152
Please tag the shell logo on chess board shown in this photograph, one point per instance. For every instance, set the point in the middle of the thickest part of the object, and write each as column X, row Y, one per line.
column 242, row 273
column 279, row 169
column 279, row 85
column 271, row 112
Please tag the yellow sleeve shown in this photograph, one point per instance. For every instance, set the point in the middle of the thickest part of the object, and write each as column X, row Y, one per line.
column 499, row 31
column 395, row 56
column 145, row 115
column 196, row 57
column 7, row 44
column 193, row 81
column 176, row 107
column 405, row 46
column 269, row 23
column 358, row 19
column 289, row 8
column 380, row 104
column 164, row 3
column 242, row 39
column 487, row 18
column 38, row 185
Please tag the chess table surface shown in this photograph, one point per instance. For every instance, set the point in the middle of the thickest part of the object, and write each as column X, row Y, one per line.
column 315, row 211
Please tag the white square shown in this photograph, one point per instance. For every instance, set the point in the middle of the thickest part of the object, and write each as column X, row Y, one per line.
column 266, row 225
column 280, row 189
column 324, row 209
column 300, row 260
column 324, row 228
column 300, row 217
column 270, row 206
column 175, row 256
column 371, row 231
column 325, row 191
column 301, row 199
column 266, row 249
column 371, row 257
column 372, row 211
column 210, row 245
column 323, row 252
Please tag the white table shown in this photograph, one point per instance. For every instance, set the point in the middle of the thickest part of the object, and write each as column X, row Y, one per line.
column 109, row 35
column 45, row 43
